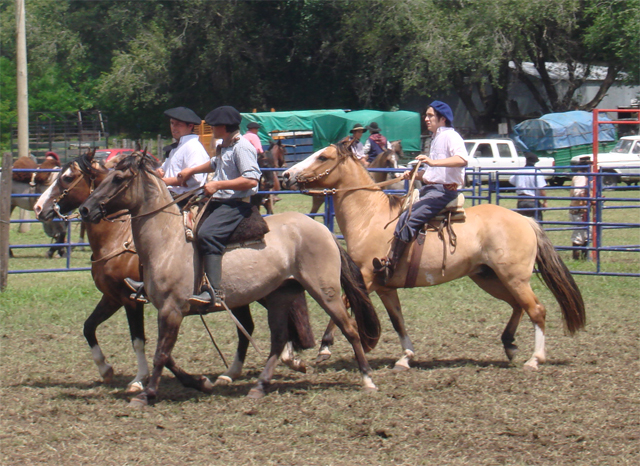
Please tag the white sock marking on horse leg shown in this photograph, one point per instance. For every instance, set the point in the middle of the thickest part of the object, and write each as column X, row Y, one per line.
column 367, row 383
column 287, row 354
column 143, row 366
column 539, row 354
column 101, row 362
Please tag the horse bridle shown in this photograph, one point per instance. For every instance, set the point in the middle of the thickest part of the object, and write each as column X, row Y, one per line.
column 65, row 192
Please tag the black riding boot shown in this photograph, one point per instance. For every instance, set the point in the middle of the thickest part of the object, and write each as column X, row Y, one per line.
column 213, row 270
column 386, row 266
column 139, row 293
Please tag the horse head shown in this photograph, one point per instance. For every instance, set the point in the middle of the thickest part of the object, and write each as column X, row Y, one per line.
column 319, row 169
column 276, row 153
column 75, row 182
column 124, row 188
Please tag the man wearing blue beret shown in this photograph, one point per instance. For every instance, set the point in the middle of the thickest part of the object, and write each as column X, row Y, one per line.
column 235, row 180
column 441, row 178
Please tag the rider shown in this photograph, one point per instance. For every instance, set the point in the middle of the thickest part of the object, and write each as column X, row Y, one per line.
column 187, row 152
column 376, row 143
column 235, row 180
column 441, row 178
column 356, row 146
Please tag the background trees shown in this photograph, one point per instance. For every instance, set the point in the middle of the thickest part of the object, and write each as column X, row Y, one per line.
column 132, row 59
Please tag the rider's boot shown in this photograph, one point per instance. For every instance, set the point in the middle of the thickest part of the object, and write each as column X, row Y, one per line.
column 139, row 293
column 386, row 266
column 211, row 295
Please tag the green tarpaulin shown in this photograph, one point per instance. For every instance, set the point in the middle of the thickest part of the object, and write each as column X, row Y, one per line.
column 403, row 125
column 283, row 121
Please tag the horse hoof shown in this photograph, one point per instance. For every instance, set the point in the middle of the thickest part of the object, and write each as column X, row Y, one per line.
column 222, row 381
column 107, row 377
column 400, row 367
column 530, row 366
column 255, row 393
column 139, row 401
column 511, row 353
column 50, row 254
column 324, row 355
column 369, row 389
column 205, row 385
column 134, row 387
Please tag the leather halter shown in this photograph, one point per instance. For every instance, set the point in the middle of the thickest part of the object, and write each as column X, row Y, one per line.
column 65, row 192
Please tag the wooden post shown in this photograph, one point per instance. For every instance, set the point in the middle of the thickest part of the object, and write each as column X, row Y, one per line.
column 21, row 81
column 159, row 148
column 24, row 227
column 5, row 217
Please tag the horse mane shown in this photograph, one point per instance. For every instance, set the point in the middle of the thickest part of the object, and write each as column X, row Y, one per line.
column 343, row 149
column 381, row 159
column 138, row 161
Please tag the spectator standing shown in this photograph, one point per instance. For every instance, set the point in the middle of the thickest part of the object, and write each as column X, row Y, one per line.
column 252, row 136
column 530, row 186
column 356, row 146
column 578, row 212
column 376, row 143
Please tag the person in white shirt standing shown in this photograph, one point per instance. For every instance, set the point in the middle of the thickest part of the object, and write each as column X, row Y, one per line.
column 443, row 175
column 529, row 187
column 189, row 152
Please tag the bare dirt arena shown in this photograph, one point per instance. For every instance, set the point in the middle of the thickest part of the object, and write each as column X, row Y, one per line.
column 462, row 403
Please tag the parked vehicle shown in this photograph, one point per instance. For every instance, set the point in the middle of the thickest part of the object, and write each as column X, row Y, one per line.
column 622, row 162
column 492, row 155
column 108, row 154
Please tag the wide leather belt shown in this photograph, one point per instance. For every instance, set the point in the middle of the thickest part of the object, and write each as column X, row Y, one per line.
column 447, row 186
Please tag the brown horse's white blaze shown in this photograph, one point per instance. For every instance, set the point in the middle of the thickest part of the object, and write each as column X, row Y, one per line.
column 496, row 248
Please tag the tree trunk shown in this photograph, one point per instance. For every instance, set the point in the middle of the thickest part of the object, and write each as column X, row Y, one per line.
column 609, row 79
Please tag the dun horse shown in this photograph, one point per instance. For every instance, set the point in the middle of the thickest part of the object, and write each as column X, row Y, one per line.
column 496, row 248
column 296, row 248
column 114, row 258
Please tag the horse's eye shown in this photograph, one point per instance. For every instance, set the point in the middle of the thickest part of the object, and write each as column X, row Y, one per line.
column 68, row 179
column 322, row 158
column 118, row 178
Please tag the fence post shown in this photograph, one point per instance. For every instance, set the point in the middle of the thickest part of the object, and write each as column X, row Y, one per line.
column 5, row 217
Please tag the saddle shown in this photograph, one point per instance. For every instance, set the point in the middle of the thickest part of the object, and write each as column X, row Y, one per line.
column 453, row 212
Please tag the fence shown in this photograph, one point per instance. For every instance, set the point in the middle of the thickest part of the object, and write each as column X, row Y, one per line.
column 484, row 188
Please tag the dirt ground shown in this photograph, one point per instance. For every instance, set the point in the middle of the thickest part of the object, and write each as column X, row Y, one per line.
column 461, row 404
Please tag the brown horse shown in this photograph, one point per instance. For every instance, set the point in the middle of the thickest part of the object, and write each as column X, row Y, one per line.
column 115, row 258
column 387, row 159
column 271, row 158
column 296, row 248
column 496, row 248
column 25, row 184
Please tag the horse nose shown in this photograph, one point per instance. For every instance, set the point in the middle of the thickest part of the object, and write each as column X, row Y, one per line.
column 84, row 213
column 285, row 179
column 38, row 210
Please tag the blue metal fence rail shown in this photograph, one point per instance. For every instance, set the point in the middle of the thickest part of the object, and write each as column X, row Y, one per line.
column 483, row 186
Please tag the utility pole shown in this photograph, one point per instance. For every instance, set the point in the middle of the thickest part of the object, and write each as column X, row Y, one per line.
column 23, row 95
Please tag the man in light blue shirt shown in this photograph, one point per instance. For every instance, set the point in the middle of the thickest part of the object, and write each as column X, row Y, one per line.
column 236, row 177
column 529, row 186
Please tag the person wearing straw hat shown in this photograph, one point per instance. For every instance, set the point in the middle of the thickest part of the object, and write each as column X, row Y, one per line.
column 442, row 176
column 376, row 143
column 356, row 146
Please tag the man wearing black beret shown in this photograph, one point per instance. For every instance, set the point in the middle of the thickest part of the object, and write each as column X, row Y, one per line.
column 189, row 152
column 442, row 176
column 235, row 180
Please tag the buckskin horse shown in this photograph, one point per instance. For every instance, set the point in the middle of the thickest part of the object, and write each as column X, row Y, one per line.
column 496, row 247
column 295, row 248
column 36, row 182
column 115, row 258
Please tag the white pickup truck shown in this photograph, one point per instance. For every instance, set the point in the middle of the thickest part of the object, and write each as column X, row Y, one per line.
column 492, row 155
column 623, row 162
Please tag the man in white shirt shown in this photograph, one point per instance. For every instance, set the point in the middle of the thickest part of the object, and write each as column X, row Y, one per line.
column 356, row 146
column 188, row 153
column 443, row 175
column 530, row 186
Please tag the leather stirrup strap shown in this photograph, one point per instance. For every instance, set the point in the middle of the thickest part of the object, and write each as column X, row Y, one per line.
column 414, row 264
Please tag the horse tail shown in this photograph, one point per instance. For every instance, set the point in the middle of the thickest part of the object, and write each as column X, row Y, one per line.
column 559, row 280
column 361, row 305
column 300, row 332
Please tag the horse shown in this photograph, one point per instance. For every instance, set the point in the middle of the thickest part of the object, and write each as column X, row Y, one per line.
column 115, row 258
column 36, row 183
column 496, row 248
column 271, row 158
column 386, row 159
column 296, row 248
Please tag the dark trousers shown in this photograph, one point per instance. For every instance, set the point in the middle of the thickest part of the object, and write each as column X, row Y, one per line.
column 433, row 198
column 528, row 206
column 217, row 228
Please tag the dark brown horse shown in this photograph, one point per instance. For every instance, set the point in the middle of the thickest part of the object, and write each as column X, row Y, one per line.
column 271, row 158
column 115, row 258
column 25, row 184
column 295, row 248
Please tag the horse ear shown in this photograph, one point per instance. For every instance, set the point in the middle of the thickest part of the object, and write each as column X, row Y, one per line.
column 91, row 154
column 115, row 160
column 138, row 147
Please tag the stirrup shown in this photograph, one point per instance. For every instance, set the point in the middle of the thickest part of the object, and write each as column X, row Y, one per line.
column 138, row 294
column 204, row 298
column 380, row 265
